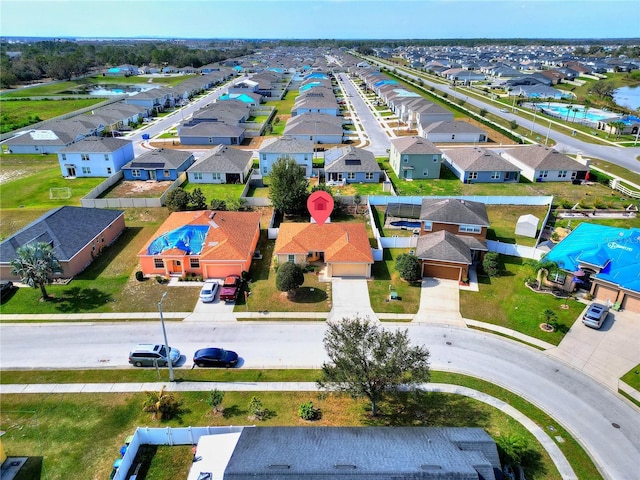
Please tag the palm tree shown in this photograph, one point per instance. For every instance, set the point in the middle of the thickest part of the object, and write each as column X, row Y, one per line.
column 548, row 315
column 35, row 265
column 587, row 106
column 161, row 404
column 544, row 267
column 575, row 111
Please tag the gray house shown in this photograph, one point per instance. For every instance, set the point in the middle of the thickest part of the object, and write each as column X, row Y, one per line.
column 341, row 453
column 414, row 157
column 223, row 165
column 160, row 164
column 543, row 164
column 317, row 127
column 351, row 165
column 455, row 131
column 479, row 165
column 273, row 149
column 212, row 133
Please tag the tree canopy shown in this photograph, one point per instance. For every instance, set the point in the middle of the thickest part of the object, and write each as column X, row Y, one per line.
column 289, row 277
column 289, row 187
column 35, row 264
column 368, row 361
column 408, row 266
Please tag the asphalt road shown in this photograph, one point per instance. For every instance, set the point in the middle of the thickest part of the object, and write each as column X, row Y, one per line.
column 583, row 406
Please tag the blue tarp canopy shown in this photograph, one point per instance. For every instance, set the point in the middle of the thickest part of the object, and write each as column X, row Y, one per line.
column 189, row 239
column 616, row 251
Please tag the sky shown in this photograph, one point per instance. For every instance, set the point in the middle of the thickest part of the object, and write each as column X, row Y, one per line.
column 322, row 19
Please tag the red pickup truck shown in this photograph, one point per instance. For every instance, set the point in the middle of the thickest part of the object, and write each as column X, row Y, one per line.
column 230, row 288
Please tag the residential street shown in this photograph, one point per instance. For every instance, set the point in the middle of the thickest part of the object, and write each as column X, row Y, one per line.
column 582, row 405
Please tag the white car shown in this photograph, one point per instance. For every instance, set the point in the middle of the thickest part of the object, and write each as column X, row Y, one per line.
column 209, row 290
column 504, row 110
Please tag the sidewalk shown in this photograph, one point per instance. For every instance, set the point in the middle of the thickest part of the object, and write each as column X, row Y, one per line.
column 547, row 442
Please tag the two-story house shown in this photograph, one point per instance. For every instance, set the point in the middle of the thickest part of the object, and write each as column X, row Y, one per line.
column 414, row 157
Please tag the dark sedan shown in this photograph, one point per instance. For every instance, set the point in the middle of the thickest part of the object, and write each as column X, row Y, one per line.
column 215, row 357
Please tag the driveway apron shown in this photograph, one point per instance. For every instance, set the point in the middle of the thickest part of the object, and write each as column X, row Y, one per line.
column 439, row 302
column 350, row 297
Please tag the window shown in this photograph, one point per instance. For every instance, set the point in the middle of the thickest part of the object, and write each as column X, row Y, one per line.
column 197, row 176
column 158, row 263
column 562, row 174
column 425, row 172
column 194, row 262
column 109, row 172
column 453, row 137
column 264, row 157
column 135, row 173
column 64, row 157
column 495, row 175
column 265, row 170
column 368, row 176
column 216, row 176
column 106, row 157
column 405, row 158
column 557, row 277
column 473, row 175
column 86, row 170
column 428, row 226
column 435, row 159
column 544, row 173
column 84, row 157
column 470, row 228
column 574, row 175
column 351, row 176
column 291, row 258
column 210, row 140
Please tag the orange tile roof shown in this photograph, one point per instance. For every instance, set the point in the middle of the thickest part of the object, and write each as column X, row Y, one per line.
column 230, row 236
column 340, row 242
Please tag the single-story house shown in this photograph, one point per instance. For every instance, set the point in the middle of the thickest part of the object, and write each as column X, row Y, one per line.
column 51, row 137
column 223, row 165
column 544, row 164
column 95, row 157
column 77, row 235
column 479, row 165
column 456, row 131
column 273, row 149
column 209, row 243
column 159, row 164
column 211, row 133
column 351, row 165
column 353, row 453
column 317, row 127
column 415, row 157
column 603, row 260
column 343, row 247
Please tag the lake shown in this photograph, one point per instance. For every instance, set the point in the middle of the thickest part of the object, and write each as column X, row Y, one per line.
column 627, row 97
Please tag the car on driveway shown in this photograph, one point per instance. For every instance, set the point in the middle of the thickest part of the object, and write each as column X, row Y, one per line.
column 209, row 290
column 230, row 289
column 215, row 357
column 150, row 355
column 595, row 315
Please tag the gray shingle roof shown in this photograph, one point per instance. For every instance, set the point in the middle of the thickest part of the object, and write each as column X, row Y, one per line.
column 336, row 453
column 477, row 159
column 96, row 145
column 454, row 211
column 444, row 246
column 160, row 158
column 544, row 158
column 224, row 159
column 286, row 145
column 453, row 127
column 415, row 145
column 211, row 129
column 69, row 228
column 350, row 159
column 314, row 124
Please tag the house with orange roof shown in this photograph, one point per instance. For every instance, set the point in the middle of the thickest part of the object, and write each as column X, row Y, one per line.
column 343, row 247
column 207, row 243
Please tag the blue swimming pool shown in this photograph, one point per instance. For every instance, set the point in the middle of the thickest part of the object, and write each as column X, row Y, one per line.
column 567, row 112
column 406, row 223
column 189, row 239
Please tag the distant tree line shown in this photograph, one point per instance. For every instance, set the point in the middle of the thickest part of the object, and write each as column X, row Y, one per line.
column 64, row 60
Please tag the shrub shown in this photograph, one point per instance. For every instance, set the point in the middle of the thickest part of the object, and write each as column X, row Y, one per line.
column 215, row 400
column 160, row 279
column 513, row 124
column 599, row 203
column 289, row 277
column 139, row 276
column 256, row 409
column 408, row 266
column 307, row 411
column 491, row 264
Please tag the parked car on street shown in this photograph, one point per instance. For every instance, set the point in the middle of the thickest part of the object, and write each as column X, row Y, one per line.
column 595, row 315
column 230, row 289
column 209, row 290
column 215, row 357
column 150, row 355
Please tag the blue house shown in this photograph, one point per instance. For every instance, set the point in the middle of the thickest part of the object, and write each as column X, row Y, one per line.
column 602, row 260
column 95, row 157
column 161, row 164
column 479, row 165
column 351, row 165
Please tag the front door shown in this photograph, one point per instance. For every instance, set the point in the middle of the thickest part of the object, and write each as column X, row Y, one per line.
column 71, row 171
column 152, row 174
column 408, row 174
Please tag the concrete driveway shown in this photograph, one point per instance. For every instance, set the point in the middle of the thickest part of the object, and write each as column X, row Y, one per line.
column 350, row 297
column 439, row 302
column 604, row 354
column 212, row 311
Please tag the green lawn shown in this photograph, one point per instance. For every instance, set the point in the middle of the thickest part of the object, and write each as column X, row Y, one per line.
column 506, row 301
column 216, row 191
column 632, row 377
column 18, row 114
column 503, row 220
column 386, row 278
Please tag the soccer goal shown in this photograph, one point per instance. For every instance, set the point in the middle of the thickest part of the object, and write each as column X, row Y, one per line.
column 59, row 193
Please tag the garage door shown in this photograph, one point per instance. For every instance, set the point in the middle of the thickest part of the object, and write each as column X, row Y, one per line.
column 603, row 293
column 441, row 271
column 631, row 304
column 221, row 271
column 349, row 270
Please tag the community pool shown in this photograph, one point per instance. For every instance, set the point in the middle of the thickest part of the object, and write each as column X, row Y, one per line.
column 189, row 239
column 566, row 112
column 405, row 223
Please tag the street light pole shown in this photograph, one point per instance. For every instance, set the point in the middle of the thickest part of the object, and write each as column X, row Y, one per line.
column 166, row 343
column 548, row 131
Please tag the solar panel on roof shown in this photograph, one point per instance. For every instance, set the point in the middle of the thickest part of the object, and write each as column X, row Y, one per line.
column 352, row 161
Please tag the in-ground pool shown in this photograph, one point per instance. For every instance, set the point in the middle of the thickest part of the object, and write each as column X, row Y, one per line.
column 189, row 239
column 406, row 223
column 562, row 110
